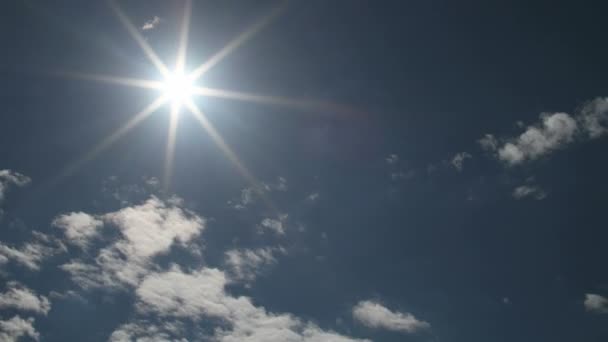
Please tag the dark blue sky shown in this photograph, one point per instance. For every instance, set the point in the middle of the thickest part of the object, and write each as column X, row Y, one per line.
column 453, row 191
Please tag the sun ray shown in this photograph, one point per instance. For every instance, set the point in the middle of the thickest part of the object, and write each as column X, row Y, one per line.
column 126, row 81
column 170, row 151
column 275, row 100
column 183, row 38
column 111, row 139
column 217, row 138
column 139, row 39
column 237, row 42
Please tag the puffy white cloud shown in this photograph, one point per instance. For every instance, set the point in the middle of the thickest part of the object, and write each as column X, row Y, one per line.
column 596, row 303
column 78, row 227
column 524, row 191
column 200, row 295
column 374, row 315
column 13, row 329
column 151, row 24
column 458, row 160
column 144, row 331
column 246, row 264
column 31, row 254
column 22, row 298
column 147, row 230
column 555, row 131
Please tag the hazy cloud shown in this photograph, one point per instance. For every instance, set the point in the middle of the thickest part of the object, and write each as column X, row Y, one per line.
column 32, row 253
column 392, row 159
column 458, row 160
column 151, row 24
column 245, row 264
column 8, row 178
column 524, row 191
column 374, row 315
column 596, row 303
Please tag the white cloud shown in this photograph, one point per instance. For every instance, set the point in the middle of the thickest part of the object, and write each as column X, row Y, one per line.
column 200, row 295
column 13, row 329
column 144, row 331
column 8, row 178
column 313, row 196
column 594, row 117
column 275, row 225
column 555, row 131
column 596, row 303
column 147, row 230
column 524, row 191
column 459, row 158
column 31, row 254
column 245, row 264
column 78, row 227
column 374, row 315
column 151, row 24
column 22, row 298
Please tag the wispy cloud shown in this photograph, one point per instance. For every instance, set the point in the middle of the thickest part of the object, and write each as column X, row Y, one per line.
column 151, row 24
column 458, row 160
column 32, row 253
column 533, row 191
column 8, row 178
column 374, row 315
column 246, row 264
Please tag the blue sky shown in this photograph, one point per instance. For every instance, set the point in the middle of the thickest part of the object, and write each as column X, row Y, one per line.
column 337, row 171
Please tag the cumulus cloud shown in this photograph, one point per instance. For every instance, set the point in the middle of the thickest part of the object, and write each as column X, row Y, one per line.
column 78, row 227
column 146, row 230
column 201, row 295
column 13, row 329
column 32, row 253
column 374, row 315
column 554, row 131
column 245, row 264
column 458, row 160
column 524, row 191
column 596, row 303
column 151, row 24
column 22, row 298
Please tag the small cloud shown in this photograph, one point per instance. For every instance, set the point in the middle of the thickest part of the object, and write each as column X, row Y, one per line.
column 151, row 24
column 506, row 300
column 374, row 315
column 313, row 196
column 246, row 264
column 596, row 303
column 392, row 159
column 276, row 225
column 488, row 142
column 395, row 176
column 524, row 191
column 8, row 178
column 458, row 160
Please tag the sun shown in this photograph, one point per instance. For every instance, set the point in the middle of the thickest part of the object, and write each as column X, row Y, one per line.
column 178, row 88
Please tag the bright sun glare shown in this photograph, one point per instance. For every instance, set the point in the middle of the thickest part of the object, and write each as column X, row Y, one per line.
column 178, row 88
